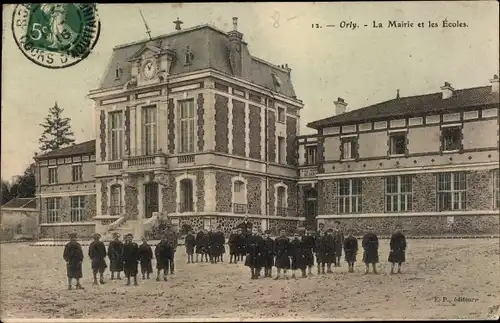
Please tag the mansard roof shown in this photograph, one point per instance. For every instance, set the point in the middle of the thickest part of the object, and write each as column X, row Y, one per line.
column 419, row 105
column 210, row 47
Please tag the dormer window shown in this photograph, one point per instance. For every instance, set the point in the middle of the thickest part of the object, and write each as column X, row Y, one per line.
column 276, row 82
column 189, row 56
column 118, row 72
column 451, row 138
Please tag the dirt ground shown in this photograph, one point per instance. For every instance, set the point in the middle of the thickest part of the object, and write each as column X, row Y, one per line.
column 33, row 285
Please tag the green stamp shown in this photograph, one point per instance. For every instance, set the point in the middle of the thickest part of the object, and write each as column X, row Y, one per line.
column 56, row 35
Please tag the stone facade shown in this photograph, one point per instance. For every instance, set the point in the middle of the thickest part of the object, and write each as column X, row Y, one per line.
column 479, row 190
column 227, row 223
column 102, row 134
column 239, row 141
column 254, row 194
column 291, row 133
column 271, row 195
column 221, row 124
column 65, row 208
column 327, row 197
column 171, row 126
column 62, row 232
column 104, row 197
column 201, row 112
column 292, row 198
column 127, row 131
column 90, row 207
column 424, row 192
column 223, row 192
column 373, row 195
column 421, row 225
column 255, row 132
column 131, row 202
column 271, row 124
column 276, row 225
column 200, row 191
column 169, row 195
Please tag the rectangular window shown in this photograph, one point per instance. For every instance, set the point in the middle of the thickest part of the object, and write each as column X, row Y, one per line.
column 238, row 186
column 77, row 208
column 115, row 205
column 186, row 126
column 281, row 150
column 311, row 154
column 496, row 189
column 349, row 148
column 398, row 193
column 76, row 171
column 53, row 205
column 452, row 191
column 397, row 144
column 451, row 138
column 349, row 196
column 52, row 175
column 149, row 130
column 116, row 134
column 281, row 114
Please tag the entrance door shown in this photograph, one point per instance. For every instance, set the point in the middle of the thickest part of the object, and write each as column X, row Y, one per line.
column 311, row 207
column 150, row 199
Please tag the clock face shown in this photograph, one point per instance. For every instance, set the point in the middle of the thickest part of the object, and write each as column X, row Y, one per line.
column 149, row 69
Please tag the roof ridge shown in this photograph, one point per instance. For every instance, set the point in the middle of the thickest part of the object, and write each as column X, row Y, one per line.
column 31, row 199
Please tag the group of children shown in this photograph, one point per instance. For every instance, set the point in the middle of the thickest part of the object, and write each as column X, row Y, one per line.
column 259, row 251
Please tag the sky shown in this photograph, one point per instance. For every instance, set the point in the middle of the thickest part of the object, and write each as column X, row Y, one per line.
column 363, row 66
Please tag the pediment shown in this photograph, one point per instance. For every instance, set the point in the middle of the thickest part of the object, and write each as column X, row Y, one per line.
column 152, row 48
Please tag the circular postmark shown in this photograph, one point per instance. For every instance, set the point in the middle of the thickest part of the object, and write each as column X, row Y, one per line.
column 56, row 35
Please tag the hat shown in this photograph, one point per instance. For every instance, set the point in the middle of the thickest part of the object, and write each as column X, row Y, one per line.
column 96, row 235
column 350, row 230
column 115, row 234
column 267, row 232
column 129, row 235
column 329, row 230
column 73, row 235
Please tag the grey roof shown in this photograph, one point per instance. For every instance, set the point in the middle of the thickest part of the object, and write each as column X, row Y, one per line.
column 21, row 203
column 87, row 147
column 413, row 106
column 210, row 48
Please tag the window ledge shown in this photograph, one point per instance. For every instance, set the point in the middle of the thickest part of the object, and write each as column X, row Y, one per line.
column 454, row 151
column 348, row 159
column 281, row 121
column 396, row 155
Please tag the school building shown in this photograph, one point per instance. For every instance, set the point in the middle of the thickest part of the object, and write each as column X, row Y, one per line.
column 192, row 128
column 429, row 163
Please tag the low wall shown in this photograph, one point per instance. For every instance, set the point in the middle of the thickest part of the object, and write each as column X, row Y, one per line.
column 63, row 230
column 16, row 224
column 421, row 225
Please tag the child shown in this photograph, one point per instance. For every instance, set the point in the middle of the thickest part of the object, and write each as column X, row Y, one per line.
column 212, row 246
column 350, row 249
column 220, row 242
column 205, row 242
column 309, row 248
column 370, row 246
column 282, row 250
column 115, row 250
column 398, row 248
column 241, row 244
column 297, row 255
column 253, row 249
column 268, row 254
column 320, row 252
column 130, row 258
column 199, row 246
column 73, row 255
column 190, row 243
column 328, row 246
column 162, row 254
column 338, row 237
column 233, row 246
column 145, row 257
column 97, row 254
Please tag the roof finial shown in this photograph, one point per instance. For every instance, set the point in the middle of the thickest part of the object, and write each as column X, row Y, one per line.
column 235, row 23
column 146, row 24
column 178, row 24
column 397, row 95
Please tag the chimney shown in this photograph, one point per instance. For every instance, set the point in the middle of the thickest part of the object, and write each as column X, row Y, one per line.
column 447, row 90
column 235, row 47
column 494, row 84
column 340, row 106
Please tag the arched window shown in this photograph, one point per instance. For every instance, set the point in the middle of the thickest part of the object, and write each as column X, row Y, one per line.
column 186, row 196
column 239, row 197
column 116, row 203
column 281, row 201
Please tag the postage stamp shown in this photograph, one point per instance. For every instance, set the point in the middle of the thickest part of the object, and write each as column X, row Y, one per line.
column 56, row 35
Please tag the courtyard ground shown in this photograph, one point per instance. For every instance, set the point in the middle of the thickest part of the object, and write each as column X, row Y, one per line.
column 437, row 274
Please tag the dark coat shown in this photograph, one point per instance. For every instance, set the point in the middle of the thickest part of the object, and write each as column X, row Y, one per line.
column 220, row 241
column 145, row 257
column 212, row 243
column 246, row 227
column 309, row 248
column 296, row 253
column 97, row 254
column 268, row 253
column 130, row 258
column 241, row 244
column 254, row 249
column 190, row 243
column 328, row 248
column 338, row 238
column 282, row 250
column 199, row 242
column 233, row 244
column 163, row 254
column 320, row 253
column 172, row 239
column 370, row 246
column 205, row 243
column 73, row 255
column 398, row 248
column 350, row 249
column 115, row 251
